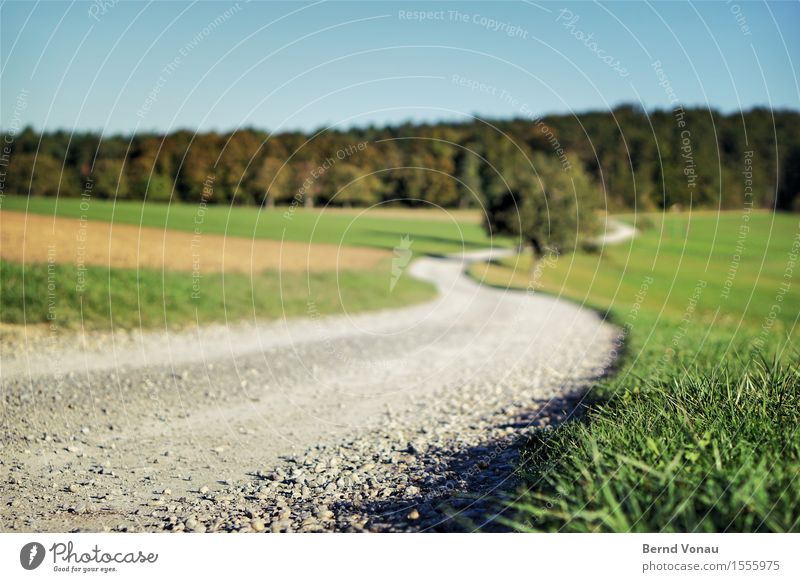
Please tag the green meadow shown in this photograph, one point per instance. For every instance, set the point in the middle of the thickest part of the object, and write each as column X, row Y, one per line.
column 697, row 430
column 726, row 269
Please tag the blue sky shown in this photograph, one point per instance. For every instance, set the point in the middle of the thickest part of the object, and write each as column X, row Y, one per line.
column 139, row 66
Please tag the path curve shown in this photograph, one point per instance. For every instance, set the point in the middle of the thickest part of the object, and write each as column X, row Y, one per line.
column 394, row 420
column 616, row 232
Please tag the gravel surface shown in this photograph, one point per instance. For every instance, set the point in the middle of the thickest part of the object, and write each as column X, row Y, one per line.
column 401, row 420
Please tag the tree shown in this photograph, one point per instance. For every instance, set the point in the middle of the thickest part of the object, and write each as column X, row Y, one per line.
column 469, row 179
column 110, row 179
column 157, row 187
column 546, row 207
column 305, row 183
column 349, row 186
column 789, row 189
column 271, row 182
column 198, row 168
column 38, row 175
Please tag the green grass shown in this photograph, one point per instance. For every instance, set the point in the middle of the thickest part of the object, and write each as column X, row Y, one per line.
column 705, row 442
column 128, row 299
column 698, row 429
column 679, row 253
column 373, row 228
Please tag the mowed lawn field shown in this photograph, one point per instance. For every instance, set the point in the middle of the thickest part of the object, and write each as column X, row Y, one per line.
column 699, row 429
column 144, row 279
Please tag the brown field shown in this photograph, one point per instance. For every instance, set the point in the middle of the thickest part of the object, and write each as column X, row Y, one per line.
column 34, row 238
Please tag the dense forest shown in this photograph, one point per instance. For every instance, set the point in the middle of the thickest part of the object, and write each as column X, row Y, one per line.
column 681, row 157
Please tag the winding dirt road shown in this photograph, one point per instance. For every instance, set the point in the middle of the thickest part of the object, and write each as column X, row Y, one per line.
column 344, row 423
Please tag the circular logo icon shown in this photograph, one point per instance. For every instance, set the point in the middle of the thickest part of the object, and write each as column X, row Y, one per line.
column 31, row 555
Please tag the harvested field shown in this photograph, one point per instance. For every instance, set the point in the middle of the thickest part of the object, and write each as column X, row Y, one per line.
column 31, row 238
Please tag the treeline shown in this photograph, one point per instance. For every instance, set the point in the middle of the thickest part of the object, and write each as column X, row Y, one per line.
column 682, row 157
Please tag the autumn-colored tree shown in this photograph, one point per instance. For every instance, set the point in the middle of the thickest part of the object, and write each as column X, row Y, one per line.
column 198, row 165
column 271, row 182
column 347, row 185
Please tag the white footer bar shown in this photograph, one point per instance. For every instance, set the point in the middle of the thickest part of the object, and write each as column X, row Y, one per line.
column 389, row 557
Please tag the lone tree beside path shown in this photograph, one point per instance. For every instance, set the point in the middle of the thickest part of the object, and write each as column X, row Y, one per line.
column 547, row 208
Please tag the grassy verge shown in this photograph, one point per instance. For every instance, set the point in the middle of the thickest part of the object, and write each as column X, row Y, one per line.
column 434, row 232
column 700, row 442
column 699, row 429
column 130, row 299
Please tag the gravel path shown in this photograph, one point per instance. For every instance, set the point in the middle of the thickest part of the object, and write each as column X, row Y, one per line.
column 616, row 231
column 399, row 420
